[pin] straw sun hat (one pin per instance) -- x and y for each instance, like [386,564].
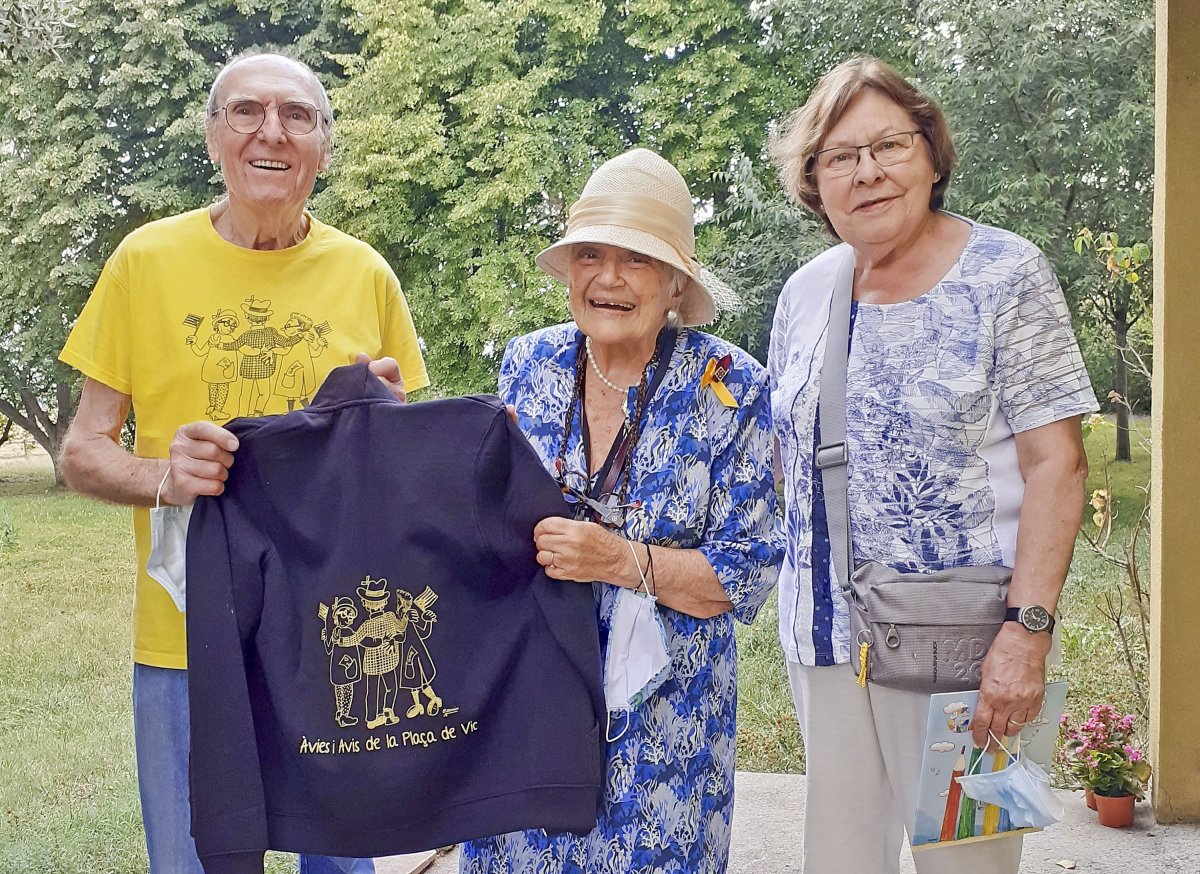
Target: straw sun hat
[638,201]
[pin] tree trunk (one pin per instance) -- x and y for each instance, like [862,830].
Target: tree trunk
[1121,387]
[35,420]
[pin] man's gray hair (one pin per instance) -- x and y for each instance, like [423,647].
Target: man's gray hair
[324,107]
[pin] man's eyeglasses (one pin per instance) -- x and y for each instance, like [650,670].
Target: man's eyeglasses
[247,116]
[889,150]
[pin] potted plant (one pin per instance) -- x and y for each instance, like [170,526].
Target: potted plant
[1102,755]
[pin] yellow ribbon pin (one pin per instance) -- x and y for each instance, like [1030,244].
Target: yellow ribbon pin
[714,374]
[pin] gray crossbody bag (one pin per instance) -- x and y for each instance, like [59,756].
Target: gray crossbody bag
[923,632]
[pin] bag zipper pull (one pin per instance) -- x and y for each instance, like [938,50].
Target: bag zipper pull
[893,637]
[862,663]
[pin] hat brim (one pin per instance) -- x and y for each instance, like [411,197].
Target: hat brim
[696,306]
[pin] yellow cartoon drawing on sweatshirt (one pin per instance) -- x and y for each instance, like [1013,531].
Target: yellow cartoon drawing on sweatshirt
[387,652]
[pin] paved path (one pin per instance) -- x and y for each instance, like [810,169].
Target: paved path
[770,808]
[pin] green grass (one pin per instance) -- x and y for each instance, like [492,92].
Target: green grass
[68,794]
[68,798]
[68,791]
[768,736]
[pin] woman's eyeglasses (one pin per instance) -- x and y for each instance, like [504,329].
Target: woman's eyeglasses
[606,510]
[885,151]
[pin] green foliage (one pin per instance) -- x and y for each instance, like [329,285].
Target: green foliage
[1097,345]
[757,241]
[1118,301]
[817,35]
[32,28]
[1050,104]
[1054,129]
[1121,296]
[469,127]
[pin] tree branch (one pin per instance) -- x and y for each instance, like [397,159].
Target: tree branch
[15,414]
[34,407]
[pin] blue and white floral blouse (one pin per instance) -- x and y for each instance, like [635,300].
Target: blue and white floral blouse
[936,389]
[703,474]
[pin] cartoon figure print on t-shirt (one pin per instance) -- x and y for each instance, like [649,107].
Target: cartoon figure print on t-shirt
[387,652]
[260,363]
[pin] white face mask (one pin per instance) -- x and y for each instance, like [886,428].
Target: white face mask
[1023,789]
[167,563]
[637,661]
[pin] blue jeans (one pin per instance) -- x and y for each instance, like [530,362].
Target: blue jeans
[161,735]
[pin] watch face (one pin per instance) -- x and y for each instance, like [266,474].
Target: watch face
[1035,618]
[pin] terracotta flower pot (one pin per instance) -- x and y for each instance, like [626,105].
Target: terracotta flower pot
[1115,811]
[1089,798]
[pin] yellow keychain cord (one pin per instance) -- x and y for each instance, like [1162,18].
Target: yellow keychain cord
[862,663]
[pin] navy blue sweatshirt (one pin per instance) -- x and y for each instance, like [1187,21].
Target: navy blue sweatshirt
[376,662]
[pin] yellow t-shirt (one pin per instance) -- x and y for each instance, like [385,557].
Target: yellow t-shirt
[191,327]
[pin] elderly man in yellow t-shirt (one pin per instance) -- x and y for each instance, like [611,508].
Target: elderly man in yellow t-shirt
[256,251]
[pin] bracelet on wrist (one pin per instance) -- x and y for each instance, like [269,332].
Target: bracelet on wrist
[650,571]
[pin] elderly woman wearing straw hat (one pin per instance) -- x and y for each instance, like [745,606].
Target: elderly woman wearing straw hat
[660,437]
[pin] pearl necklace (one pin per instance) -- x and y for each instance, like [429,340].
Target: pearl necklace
[587,345]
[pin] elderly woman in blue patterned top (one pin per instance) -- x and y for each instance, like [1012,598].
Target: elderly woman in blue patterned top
[964,392]
[661,435]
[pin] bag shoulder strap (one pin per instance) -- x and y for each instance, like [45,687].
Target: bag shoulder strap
[831,456]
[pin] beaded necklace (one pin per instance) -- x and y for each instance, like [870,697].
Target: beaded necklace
[587,345]
[615,489]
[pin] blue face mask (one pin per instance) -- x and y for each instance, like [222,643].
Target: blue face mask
[637,661]
[167,562]
[1023,789]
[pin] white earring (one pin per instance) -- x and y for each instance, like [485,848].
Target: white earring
[672,319]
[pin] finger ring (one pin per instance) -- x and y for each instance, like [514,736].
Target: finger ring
[1015,722]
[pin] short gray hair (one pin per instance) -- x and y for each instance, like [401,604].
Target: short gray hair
[324,107]
[678,282]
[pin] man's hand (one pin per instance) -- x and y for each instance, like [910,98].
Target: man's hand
[1013,683]
[201,454]
[388,371]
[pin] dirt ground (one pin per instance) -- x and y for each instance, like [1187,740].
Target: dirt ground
[21,457]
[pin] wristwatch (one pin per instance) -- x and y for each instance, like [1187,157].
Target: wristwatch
[1033,618]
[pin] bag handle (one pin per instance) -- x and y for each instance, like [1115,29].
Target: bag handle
[1014,755]
[831,457]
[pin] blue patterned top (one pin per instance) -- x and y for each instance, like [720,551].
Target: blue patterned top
[703,473]
[936,389]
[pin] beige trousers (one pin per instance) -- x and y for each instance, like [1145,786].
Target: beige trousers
[863,759]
